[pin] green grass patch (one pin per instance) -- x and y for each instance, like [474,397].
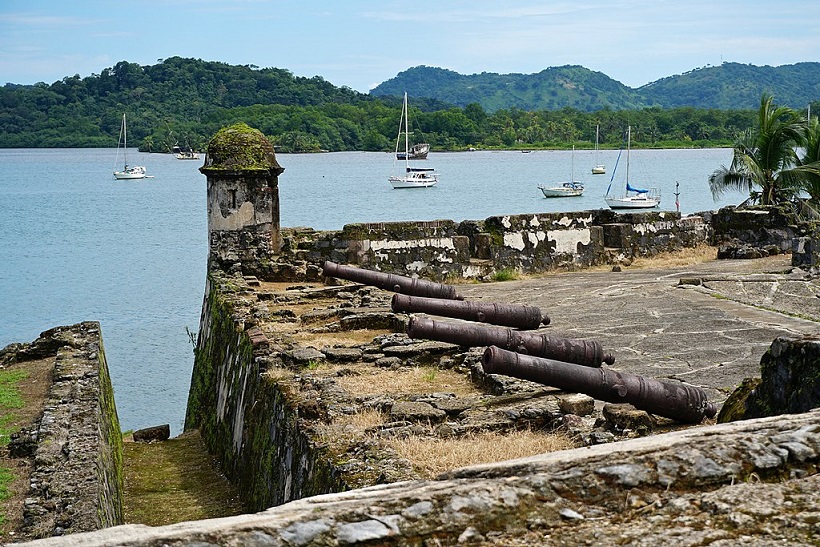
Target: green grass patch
[9,394]
[507,274]
[174,481]
[9,399]
[6,476]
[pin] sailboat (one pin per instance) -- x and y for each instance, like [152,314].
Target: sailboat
[600,168]
[413,177]
[128,171]
[566,189]
[632,198]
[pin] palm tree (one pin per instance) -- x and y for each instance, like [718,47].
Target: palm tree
[766,158]
[811,157]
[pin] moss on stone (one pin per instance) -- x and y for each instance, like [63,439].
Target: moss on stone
[240,147]
[735,406]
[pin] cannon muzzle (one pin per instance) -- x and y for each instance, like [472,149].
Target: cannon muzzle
[518,316]
[391,282]
[674,400]
[582,352]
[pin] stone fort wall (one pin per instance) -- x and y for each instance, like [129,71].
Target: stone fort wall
[445,249]
[75,447]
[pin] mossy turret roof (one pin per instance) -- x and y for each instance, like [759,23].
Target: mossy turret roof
[240,147]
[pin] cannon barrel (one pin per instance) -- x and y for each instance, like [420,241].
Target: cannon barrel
[582,352]
[519,316]
[675,400]
[391,282]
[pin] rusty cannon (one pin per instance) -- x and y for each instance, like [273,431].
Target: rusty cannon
[675,400]
[519,316]
[391,282]
[582,352]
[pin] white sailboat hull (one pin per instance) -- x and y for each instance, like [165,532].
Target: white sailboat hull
[573,188]
[566,190]
[414,180]
[633,202]
[413,177]
[121,175]
[136,172]
[633,198]
[599,168]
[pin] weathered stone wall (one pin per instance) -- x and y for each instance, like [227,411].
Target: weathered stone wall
[747,483]
[76,481]
[527,243]
[758,227]
[248,423]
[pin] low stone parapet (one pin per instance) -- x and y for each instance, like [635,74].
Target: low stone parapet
[526,243]
[650,491]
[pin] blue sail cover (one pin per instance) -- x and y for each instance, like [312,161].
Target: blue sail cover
[636,190]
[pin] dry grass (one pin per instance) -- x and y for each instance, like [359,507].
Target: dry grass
[361,420]
[431,457]
[349,338]
[367,379]
[685,257]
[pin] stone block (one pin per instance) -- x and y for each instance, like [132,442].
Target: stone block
[416,412]
[154,433]
[576,403]
[621,417]
[789,382]
[618,235]
[805,252]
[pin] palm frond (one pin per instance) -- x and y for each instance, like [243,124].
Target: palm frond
[724,180]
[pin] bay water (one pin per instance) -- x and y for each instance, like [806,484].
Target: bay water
[77,245]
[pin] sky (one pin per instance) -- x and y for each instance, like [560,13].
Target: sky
[361,43]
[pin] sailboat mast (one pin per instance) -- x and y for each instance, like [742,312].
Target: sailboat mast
[406,132]
[596,144]
[124,141]
[628,146]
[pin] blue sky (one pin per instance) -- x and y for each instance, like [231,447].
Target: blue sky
[360,43]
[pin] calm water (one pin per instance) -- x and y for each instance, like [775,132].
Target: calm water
[77,245]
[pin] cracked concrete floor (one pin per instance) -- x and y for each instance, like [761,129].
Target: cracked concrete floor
[710,331]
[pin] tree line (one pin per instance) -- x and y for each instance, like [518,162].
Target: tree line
[183,102]
[777,161]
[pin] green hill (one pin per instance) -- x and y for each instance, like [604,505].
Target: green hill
[734,85]
[551,89]
[177,101]
[728,86]
[183,102]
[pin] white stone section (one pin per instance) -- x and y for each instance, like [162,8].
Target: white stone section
[392,245]
[514,240]
[566,241]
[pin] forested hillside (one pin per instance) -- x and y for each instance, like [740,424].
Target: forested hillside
[183,102]
[551,89]
[728,86]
